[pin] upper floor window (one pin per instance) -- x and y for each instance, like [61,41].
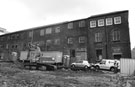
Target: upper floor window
[1,46]
[82,39]
[109,21]
[7,46]
[57,29]
[101,22]
[48,42]
[70,26]
[98,37]
[31,34]
[92,24]
[42,32]
[82,23]
[57,41]
[1,38]
[13,36]
[70,40]
[115,35]
[48,30]
[17,36]
[8,37]
[117,20]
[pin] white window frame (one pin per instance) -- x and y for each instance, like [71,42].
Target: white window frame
[117,20]
[101,22]
[48,30]
[92,24]
[109,21]
[42,32]
[70,25]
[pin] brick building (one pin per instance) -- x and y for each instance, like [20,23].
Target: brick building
[108,36]
[105,35]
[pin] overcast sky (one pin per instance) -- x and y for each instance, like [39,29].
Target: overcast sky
[23,14]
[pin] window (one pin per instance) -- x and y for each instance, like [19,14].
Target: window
[115,35]
[7,46]
[92,24]
[109,21]
[101,22]
[98,37]
[82,23]
[1,46]
[70,40]
[42,32]
[82,39]
[48,30]
[70,25]
[117,20]
[8,37]
[57,29]
[57,41]
[31,34]
[16,46]
[48,42]
[12,46]
[2,39]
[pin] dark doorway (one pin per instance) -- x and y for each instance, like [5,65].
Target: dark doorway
[118,56]
[99,53]
[72,53]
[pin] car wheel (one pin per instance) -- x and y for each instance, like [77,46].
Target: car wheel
[86,67]
[97,67]
[112,69]
[43,68]
[73,66]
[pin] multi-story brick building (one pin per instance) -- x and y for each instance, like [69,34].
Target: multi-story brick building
[105,35]
[108,36]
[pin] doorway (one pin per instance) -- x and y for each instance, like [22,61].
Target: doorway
[117,56]
[99,54]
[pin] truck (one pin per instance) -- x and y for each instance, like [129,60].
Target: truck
[48,60]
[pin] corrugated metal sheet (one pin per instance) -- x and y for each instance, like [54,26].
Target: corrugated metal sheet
[127,66]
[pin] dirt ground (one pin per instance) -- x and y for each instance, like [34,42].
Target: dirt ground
[16,76]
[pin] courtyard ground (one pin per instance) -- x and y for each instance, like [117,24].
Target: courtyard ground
[12,75]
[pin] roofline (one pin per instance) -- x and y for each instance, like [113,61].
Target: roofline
[109,13]
[54,24]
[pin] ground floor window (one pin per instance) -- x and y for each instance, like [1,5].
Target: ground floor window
[117,56]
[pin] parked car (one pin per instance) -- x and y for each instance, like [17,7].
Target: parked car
[107,64]
[82,64]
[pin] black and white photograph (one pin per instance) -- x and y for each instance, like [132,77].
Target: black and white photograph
[67,43]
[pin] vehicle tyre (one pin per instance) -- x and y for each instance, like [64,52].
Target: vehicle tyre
[112,69]
[27,67]
[33,67]
[86,67]
[97,67]
[72,66]
[43,68]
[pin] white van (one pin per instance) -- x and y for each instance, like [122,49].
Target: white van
[107,64]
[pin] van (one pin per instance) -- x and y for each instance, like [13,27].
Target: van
[107,64]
